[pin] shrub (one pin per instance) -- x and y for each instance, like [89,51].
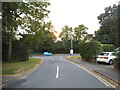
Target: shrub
[90,50]
[4,51]
[76,46]
[108,47]
[117,59]
[20,52]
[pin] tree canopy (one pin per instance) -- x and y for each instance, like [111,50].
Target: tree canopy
[108,32]
[25,20]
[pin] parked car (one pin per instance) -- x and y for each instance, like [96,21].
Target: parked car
[107,57]
[47,54]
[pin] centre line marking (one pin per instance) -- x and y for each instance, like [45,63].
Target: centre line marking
[57,73]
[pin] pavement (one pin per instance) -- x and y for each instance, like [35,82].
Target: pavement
[104,69]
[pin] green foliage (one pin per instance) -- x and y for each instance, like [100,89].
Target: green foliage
[108,47]
[66,33]
[80,32]
[29,17]
[90,50]
[4,51]
[12,68]
[118,43]
[77,34]
[108,32]
[117,61]
[20,51]
[61,47]
[43,41]
[76,46]
[88,37]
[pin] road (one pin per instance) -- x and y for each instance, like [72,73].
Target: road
[57,73]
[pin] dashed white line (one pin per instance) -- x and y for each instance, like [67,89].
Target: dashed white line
[57,73]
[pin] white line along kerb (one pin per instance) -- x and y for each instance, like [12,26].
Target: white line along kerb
[57,73]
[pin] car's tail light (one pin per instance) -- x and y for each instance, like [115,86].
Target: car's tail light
[105,57]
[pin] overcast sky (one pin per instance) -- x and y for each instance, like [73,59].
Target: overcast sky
[76,12]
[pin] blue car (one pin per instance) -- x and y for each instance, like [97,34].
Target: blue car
[47,54]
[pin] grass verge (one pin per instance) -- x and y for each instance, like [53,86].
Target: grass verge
[12,68]
[74,57]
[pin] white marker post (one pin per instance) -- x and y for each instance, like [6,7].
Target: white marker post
[71,51]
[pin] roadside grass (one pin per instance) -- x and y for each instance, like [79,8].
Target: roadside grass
[12,68]
[74,57]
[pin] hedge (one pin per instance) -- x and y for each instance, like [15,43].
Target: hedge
[20,52]
[108,47]
[90,50]
[117,59]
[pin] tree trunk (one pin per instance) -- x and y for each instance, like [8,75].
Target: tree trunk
[10,49]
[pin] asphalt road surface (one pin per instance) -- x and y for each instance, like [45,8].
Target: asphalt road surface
[57,73]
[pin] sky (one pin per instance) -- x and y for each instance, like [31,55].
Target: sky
[77,12]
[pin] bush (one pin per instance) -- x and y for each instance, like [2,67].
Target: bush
[117,59]
[90,50]
[20,52]
[76,46]
[4,51]
[108,47]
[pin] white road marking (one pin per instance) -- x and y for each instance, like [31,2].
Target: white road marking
[57,73]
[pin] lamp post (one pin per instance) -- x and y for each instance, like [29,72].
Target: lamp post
[71,49]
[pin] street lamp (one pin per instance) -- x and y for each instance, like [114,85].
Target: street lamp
[71,49]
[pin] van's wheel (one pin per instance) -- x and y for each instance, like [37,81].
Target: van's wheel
[111,62]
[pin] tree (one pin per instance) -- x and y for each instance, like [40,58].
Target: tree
[80,32]
[66,36]
[108,32]
[29,17]
[45,42]
[66,33]
[89,37]
[8,27]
